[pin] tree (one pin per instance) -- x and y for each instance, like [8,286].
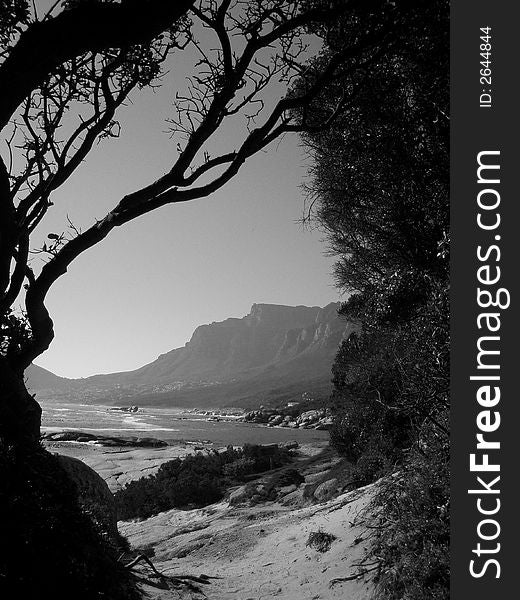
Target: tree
[380,188]
[68,74]
[63,76]
[382,196]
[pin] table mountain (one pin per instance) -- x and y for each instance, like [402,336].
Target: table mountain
[274,347]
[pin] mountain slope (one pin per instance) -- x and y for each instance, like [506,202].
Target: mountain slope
[39,378]
[274,346]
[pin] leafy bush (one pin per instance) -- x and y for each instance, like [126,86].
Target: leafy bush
[239,468]
[380,190]
[320,540]
[414,542]
[197,480]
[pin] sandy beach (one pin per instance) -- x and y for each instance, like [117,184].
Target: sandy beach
[254,549]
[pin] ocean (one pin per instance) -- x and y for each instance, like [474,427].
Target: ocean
[172,425]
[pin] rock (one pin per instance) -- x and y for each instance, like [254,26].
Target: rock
[276,420]
[148,442]
[112,441]
[262,490]
[69,436]
[83,439]
[94,496]
[310,416]
[283,491]
[294,498]
[323,426]
[292,445]
[258,416]
[315,477]
[327,490]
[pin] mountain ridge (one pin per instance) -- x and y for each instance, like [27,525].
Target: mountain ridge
[273,343]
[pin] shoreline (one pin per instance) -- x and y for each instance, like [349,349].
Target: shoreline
[118,465]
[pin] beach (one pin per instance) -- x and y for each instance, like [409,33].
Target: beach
[184,432]
[249,545]
[173,425]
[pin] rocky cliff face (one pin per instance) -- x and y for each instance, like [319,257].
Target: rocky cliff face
[268,336]
[285,342]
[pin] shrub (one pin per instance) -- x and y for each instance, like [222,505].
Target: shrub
[239,468]
[320,540]
[414,543]
[197,480]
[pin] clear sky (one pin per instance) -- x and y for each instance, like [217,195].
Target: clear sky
[145,288]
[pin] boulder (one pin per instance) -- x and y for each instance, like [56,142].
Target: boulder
[327,490]
[310,416]
[94,495]
[292,445]
[287,489]
[69,436]
[240,495]
[148,442]
[295,498]
[324,424]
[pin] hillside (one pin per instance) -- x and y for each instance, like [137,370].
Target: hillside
[274,353]
[39,379]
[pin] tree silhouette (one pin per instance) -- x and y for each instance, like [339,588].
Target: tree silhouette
[380,189]
[65,74]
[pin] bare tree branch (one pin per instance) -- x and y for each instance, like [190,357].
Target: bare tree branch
[88,26]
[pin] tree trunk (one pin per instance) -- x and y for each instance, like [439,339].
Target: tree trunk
[20,414]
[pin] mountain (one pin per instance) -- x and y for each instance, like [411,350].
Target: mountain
[39,378]
[270,351]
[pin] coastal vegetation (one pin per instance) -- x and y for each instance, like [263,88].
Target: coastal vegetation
[64,74]
[196,480]
[380,189]
[373,111]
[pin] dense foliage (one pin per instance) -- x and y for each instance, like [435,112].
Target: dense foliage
[380,189]
[195,481]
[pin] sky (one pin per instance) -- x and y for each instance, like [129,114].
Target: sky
[144,289]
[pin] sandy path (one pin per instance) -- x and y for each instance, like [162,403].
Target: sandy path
[260,552]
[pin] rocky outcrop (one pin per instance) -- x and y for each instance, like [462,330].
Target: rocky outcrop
[94,495]
[320,419]
[269,336]
[327,490]
[102,440]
